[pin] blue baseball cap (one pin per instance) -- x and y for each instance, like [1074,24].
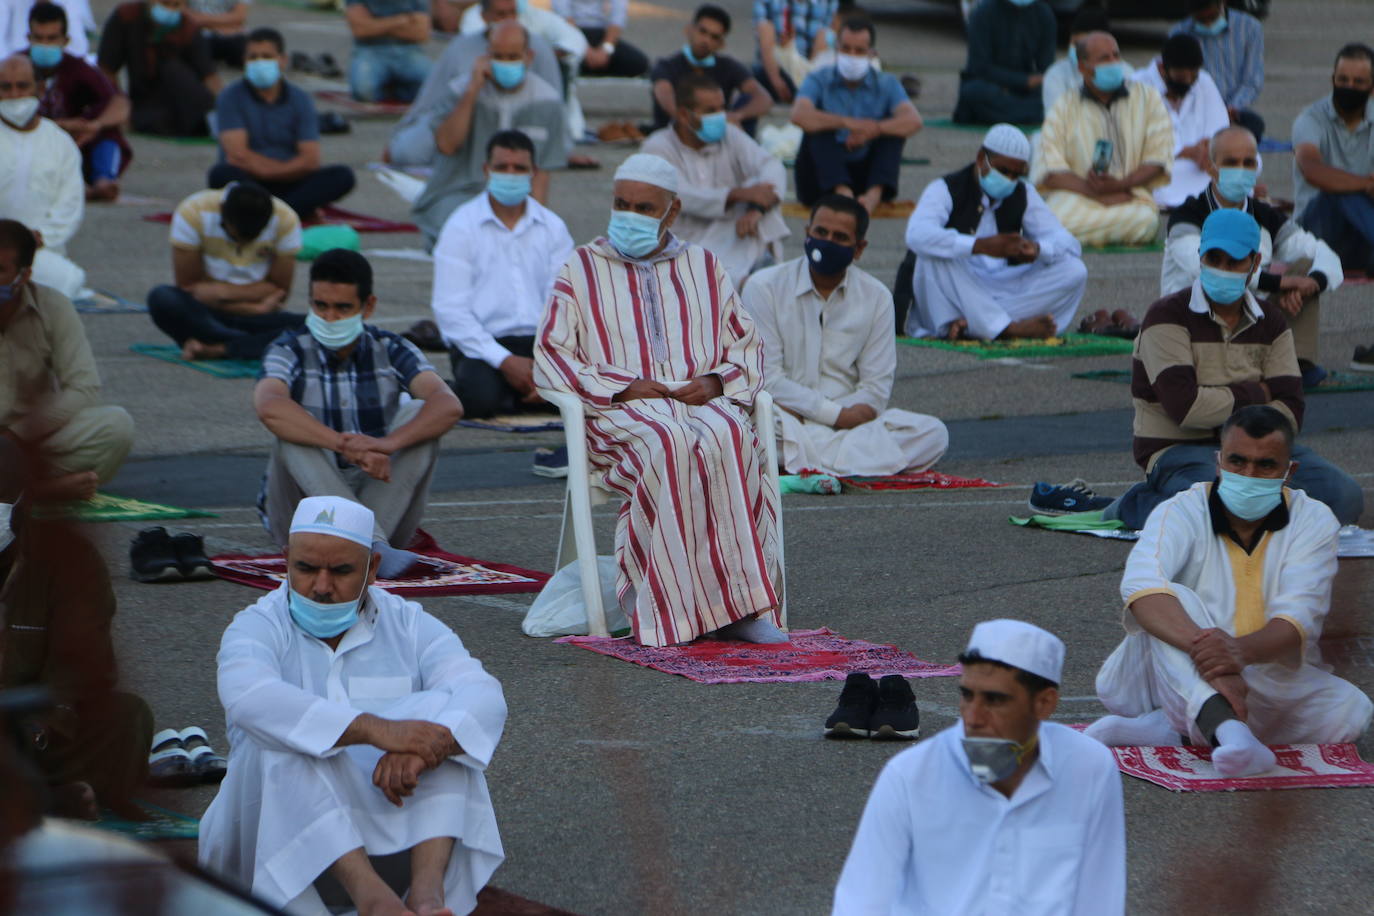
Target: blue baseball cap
[1233,231]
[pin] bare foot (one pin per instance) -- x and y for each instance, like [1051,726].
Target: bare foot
[103,190]
[78,486]
[75,800]
[871,198]
[428,907]
[384,905]
[957,330]
[1036,328]
[195,349]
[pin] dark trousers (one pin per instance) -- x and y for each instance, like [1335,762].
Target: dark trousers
[1346,223]
[823,164]
[182,317]
[483,390]
[627,60]
[904,292]
[227,49]
[305,195]
[1251,122]
[984,102]
[761,75]
[177,106]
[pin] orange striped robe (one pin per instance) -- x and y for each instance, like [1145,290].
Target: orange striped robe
[696,539]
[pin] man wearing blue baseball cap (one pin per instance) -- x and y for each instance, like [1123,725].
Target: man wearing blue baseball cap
[1202,354]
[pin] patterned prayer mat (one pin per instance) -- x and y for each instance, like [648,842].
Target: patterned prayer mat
[443,573]
[162,825]
[1066,346]
[812,655]
[950,124]
[1336,381]
[517,423]
[492,901]
[1301,766]
[925,480]
[103,302]
[219,368]
[335,98]
[1123,249]
[107,508]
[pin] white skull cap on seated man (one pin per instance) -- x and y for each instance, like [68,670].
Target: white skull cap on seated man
[1006,140]
[649,169]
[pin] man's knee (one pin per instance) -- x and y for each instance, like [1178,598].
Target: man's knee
[166,300]
[412,145]
[341,178]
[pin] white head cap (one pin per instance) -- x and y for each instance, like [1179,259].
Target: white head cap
[1019,644]
[1006,140]
[336,516]
[649,169]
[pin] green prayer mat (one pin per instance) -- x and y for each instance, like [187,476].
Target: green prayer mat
[906,160]
[1123,249]
[107,508]
[179,141]
[1068,345]
[1335,382]
[219,368]
[162,825]
[949,124]
[1079,523]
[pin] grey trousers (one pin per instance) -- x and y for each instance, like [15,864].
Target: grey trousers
[297,471]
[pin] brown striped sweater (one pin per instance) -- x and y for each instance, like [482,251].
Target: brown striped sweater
[1190,372]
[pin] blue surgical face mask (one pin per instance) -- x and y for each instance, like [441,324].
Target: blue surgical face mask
[9,290]
[508,73]
[165,17]
[1109,77]
[263,73]
[828,258]
[1223,286]
[1250,498]
[325,621]
[508,188]
[996,185]
[830,37]
[633,234]
[1236,184]
[1073,57]
[705,63]
[712,128]
[334,334]
[45,57]
[1216,28]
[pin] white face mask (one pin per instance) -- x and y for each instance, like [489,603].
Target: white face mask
[19,112]
[852,67]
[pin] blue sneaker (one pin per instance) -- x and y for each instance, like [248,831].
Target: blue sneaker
[1075,496]
[551,462]
[1312,376]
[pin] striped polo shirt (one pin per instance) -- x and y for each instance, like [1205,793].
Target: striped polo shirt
[1190,371]
[196,226]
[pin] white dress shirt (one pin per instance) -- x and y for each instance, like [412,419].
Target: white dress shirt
[490,281]
[1061,77]
[933,840]
[1197,116]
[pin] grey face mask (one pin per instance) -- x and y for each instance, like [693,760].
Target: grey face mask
[994,759]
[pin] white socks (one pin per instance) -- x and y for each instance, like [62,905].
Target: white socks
[1149,730]
[394,561]
[1239,752]
[752,629]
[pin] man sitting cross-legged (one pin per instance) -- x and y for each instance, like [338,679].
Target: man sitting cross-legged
[331,395]
[494,267]
[992,260]
[359,726]
[647,331]
[731,185]
[233,260]
[1226,593]
[830,357]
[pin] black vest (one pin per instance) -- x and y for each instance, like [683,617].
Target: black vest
[967,211]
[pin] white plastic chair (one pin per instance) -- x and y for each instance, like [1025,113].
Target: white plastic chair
[586,489]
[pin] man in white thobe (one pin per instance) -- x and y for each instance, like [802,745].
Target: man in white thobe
[829,356]
[1003,812]
[40,178]
[1196,111]
[359,726]
[1225,595]
[991,259]
[731,186]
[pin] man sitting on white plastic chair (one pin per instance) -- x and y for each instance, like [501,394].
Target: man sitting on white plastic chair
[647,330]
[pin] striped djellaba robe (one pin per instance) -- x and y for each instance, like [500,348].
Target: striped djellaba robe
[696,540]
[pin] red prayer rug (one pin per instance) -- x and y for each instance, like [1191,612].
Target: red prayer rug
[812,655]
[335,98]
[359,221]
[925,480]
[1301,766]
[438,573]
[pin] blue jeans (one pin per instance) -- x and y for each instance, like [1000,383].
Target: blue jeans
[102,161]
[1184,465]
[1346,223]
[387,72]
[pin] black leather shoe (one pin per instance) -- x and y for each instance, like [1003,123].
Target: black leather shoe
[191,558]
[153,558]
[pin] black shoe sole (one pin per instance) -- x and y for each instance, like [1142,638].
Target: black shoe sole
[888,733]
[198,571]
[166,574]
[842,731]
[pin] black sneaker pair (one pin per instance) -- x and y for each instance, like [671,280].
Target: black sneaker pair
[885,710]
[156,556]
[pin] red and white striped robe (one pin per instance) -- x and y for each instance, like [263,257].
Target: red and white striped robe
[697,536]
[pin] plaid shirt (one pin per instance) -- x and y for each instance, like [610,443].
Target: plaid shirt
[358,395]
[807,18]
[1235,58]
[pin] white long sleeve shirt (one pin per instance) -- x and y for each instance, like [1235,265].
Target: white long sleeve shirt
[1197,116]
[565,37]
[823,355]
[40,181]
[490,281]
[593,14]
[927,235]
[934,840]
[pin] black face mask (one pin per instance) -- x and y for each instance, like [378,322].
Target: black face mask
[1177,89]
[1349,99]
